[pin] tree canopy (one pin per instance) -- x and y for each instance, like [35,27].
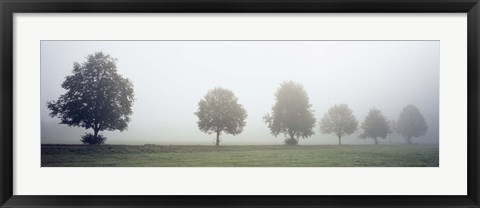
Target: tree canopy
[292,113]
[96,97]
[219,111]
[339,120]
[375,125]
[411,123]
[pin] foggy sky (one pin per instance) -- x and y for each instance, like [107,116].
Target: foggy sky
[170,78]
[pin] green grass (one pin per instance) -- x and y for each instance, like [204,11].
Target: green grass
[240,156]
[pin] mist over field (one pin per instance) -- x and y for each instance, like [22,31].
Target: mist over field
[170,78]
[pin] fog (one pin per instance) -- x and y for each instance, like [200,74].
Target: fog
[170,78]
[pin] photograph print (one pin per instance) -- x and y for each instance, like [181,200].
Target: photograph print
[240,103]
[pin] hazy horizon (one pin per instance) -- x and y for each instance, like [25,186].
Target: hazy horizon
[170,78]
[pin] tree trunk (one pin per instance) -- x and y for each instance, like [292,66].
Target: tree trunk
[218,139]
[339,140]
[292,136]
[376,141]
[95,133]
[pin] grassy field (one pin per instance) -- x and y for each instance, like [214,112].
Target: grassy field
[240,156]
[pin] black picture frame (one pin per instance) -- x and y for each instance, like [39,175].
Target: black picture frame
[9,7]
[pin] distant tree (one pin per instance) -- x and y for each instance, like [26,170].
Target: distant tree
[97,97]
[219,112]
[411,123]
[339,120]
[375,125]
[292,114]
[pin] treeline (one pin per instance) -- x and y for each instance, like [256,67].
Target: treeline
[97,97]
[292,116]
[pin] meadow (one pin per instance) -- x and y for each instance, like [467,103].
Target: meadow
[418,155]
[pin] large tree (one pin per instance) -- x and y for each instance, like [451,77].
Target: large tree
[411,123]
[375,125]
[96,97]
[339,120]
[219,111]
[292,114]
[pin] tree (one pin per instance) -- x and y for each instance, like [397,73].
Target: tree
[375,125]
[411,123]
[219,112]
[96,97]
[340,121]
[292,114]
